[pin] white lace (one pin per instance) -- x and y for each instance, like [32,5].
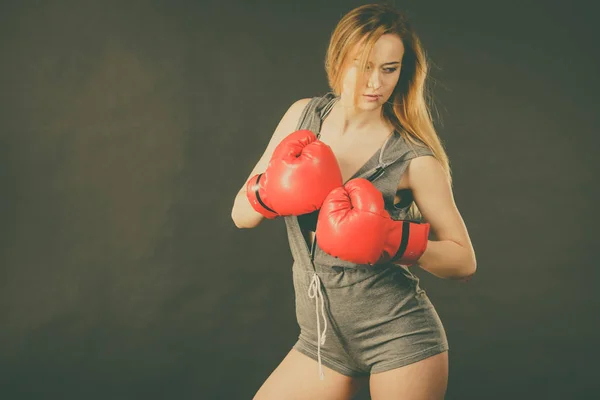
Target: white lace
[314,291]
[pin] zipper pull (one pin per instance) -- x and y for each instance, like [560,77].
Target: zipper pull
[378,172]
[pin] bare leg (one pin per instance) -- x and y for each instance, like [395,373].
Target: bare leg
[297,378]
[423,380]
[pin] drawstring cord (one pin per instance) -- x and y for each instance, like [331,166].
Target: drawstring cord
[314,292]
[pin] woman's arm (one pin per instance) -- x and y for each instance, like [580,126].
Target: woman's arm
[451,255]
[242,213]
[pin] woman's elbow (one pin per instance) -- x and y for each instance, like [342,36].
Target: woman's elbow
[468,272]
[243,222]
[242,213]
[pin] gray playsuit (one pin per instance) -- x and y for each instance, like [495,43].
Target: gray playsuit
[361,319]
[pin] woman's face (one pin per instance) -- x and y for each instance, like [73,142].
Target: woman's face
[381,75]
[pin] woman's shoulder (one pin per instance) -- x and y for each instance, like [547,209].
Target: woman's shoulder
[295,110]
[319,101]
[316,104]
[299,105]
[412,146]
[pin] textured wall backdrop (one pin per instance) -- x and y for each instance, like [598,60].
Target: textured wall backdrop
[127,127]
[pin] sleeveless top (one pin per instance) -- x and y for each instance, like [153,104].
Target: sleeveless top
[384,169]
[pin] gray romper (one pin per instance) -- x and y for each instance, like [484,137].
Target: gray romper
[361,319]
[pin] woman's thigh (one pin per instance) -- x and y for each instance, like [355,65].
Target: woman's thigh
[297,378]
[424,380]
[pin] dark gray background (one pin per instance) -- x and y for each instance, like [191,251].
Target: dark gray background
[126,129]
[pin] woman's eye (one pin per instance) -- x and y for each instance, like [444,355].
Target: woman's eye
[390,70]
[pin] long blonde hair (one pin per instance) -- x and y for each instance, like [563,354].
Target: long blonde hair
[409,106]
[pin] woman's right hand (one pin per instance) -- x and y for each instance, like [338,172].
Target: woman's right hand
[300,174]
[242,213]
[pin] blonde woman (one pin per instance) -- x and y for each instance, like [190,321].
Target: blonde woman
[362,180]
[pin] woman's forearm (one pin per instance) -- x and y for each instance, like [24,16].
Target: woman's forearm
[448,260]
[242,213]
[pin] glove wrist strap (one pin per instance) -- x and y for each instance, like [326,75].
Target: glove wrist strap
[257,202]
[413,242]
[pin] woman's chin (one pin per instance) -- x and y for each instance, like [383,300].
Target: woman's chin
[369,105]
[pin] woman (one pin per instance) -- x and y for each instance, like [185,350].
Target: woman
[363,321]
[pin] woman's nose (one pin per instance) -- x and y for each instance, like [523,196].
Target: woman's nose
[374,81]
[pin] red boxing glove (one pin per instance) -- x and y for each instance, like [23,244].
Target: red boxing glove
[300,174]
[354,226]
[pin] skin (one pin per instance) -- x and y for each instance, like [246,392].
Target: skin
[355,132]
